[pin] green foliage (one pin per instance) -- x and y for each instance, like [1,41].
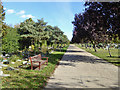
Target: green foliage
[105,55]
[32,47]
[2,13]
[13,58]
[4,29]
[2,17]
[36,49]
[116,39]
[1,59]
[38,32]
[32,33]
[54,46]
[97,24]
[27,32]
[44,47]
[26,78]
[10,41]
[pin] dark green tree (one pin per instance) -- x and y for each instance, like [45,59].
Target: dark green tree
[27,31]
[2,17]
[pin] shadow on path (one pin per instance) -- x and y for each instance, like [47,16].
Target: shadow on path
[81,58]
[80,74]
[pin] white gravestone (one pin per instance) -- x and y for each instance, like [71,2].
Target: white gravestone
[1,72]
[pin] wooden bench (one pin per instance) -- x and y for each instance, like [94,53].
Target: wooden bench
[37,61]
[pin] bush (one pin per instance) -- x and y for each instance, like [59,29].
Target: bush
[10,42]
[1,59]
[13,58]
[54,47]
[32,47]
[44,50]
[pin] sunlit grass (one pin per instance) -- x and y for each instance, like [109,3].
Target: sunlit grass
[27,78]
[104,54]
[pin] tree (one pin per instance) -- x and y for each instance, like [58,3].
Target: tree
[39,34]
[96,24]
[110,13]
[50,31]
[27,31]
[2,17]
[42,34]
[4,29]
[2,13]
[10,41]
[88,28]
[55,35]
[65,40]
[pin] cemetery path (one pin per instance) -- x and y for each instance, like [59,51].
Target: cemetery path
[80,69]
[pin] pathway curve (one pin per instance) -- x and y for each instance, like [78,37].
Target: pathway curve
[80,69]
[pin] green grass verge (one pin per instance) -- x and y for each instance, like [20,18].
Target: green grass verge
[104,54]
[27,78]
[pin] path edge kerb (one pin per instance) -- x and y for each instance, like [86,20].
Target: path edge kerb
[55,69]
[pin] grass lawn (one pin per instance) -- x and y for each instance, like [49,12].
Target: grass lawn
[27,78]
[104,54]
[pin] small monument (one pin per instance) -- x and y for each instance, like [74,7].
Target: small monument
[1,72]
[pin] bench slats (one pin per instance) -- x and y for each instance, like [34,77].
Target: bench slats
[37,61]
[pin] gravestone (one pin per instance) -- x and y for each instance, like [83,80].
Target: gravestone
[24,62]
[5,61]
[1,72]
[11,68]
[18,60]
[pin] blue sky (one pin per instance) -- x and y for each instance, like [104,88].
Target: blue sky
[59,14]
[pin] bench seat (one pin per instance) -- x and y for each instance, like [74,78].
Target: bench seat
[37,61]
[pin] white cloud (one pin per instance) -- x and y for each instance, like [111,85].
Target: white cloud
[21,12]
[4,8]
[27,16]
[23,16]
[10,11]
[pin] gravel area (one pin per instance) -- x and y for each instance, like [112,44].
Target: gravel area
[80,69]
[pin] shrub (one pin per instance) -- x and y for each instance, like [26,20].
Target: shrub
[10,42]
[1,59]
[13,58]
[32,47]
[44,49]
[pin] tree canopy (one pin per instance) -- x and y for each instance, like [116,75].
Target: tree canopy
[99,23]
[2,17]
[38,32]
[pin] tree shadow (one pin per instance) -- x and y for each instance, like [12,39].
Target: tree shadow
[82,58]
[73,51]
[60,50]
[57,86]
[113,56]
[54,58]
[68,59]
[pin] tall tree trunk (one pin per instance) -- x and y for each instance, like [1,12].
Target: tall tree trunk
[90,47]
[82,45]
[94,46]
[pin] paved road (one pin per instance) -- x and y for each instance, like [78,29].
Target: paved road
[80,69]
